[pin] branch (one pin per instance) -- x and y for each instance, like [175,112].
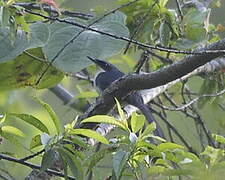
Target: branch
[129,83]
[159,48]
[51,9]
[192,101]
[33,166]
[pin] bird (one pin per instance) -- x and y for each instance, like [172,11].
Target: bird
[108,75]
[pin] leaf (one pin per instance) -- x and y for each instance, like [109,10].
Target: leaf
[11,138]
[77,140]
[39,34]
[195,32]
[48,160]
[45,139]
[92,160]
[162,3]
[4,16]
[149,129]
[35,141]
[137,122]
[88,43]
[91,134]
[32,121]
[52,114]
[25,70]
[105,119]
[164,33]
[133,137]
[87,94]
[119,108]
[156,170]
[218,138]
[120,159]
[2,118]
[12,130]
[169,146]
[208,87]
[73,162]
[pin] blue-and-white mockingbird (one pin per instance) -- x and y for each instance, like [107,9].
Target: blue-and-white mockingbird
[109,74]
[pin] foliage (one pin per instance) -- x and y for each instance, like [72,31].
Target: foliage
[134,153]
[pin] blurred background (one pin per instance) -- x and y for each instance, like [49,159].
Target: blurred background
[21,101]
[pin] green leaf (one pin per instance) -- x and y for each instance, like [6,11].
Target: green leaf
[2,118]
[25,70]
[10,137]
[195,16]
[169,146]
[91,134]
[35,141]
[105,119]
[149,129]
[73,162]
[20,21]
[195,32]
[209,86]
[218,138]
[52,114]
[92,160]
[162,3]
[87,94]
[48,159]
[32,121]
[120,110]
[164,33]
[89,43]
[156,170]
[4,16]
[77,140]
[39,35]
[120,159]
[137,122]
[12,130]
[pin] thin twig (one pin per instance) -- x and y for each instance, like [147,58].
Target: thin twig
[144,58]
[159,48]
[179,9]
[192,101]
[175,132]
[51,9]
[33,155]
[162,59]
[33,166]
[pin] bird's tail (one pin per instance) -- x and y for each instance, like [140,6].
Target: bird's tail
[149,117]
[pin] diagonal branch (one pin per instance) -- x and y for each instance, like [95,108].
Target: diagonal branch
[129,83]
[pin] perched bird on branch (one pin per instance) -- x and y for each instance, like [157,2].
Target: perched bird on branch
[109,74]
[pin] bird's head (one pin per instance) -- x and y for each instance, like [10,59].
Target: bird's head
[102,64]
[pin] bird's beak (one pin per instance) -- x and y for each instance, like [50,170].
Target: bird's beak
[100,63]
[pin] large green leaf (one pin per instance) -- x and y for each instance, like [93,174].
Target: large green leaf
[25,71]
[119,161]
[48,159]
[93,159]
[9,49]
[13,130]
[137,122]
[72,162]
[32,121]
[89,43]
[52,114]
[36,141]
[91,134]
[106,119]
